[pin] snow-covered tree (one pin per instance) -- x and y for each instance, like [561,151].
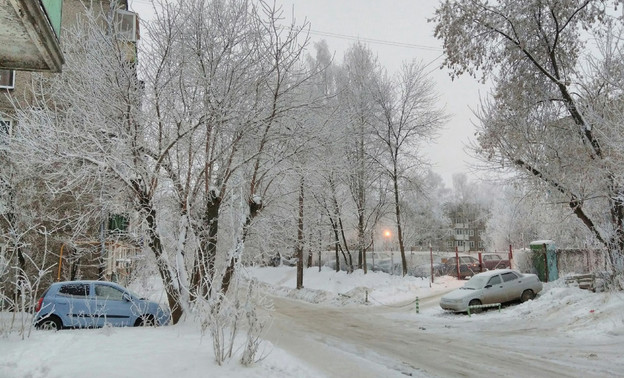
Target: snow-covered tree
[408,117]
[359,75]
[554,117]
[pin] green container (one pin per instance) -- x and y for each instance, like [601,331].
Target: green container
[117,223]
[544,259]
[54,10]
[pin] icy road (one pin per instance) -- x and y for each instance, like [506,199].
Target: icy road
[535,339]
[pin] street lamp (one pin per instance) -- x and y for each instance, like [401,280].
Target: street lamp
[388,235]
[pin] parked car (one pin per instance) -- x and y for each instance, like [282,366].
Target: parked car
[493,286]
[87,304]
[468,266]
[494,261]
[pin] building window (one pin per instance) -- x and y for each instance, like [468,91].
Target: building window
[471,232]
[480,244]
[127,25]
[6,128]
[7,79]
[449,244]
[471,244]
[459,243]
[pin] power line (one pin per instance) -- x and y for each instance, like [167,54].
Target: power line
[375,41]
[350,37]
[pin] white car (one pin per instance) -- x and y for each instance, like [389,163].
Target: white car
[494,286]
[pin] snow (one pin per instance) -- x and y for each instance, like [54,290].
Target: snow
[571,315]
[340,287]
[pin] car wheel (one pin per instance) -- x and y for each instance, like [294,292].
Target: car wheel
[526,295]
[475,302]
[50,323]
[145,321]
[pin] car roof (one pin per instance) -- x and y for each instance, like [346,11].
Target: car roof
[494,272]
[83,282]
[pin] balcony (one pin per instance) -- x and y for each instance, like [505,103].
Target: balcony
[29,35]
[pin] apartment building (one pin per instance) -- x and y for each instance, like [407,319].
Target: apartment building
[109,240]
[467,227]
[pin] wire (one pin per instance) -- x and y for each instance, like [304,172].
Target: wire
[348,37]
[375,41]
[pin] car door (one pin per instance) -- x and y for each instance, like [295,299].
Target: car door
[469,266]
[73,304]
[494,291]
[512,284]
[115,308]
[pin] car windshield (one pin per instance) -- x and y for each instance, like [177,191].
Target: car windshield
[476,282]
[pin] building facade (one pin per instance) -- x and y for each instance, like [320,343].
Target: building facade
[108,252]
[467,227]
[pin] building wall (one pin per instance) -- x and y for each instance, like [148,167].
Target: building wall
[467,227]
[21,94]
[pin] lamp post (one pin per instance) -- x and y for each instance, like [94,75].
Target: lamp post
[431,257]
[388,235]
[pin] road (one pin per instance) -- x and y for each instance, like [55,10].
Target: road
[378,341]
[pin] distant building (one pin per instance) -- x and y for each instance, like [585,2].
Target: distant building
[467,227]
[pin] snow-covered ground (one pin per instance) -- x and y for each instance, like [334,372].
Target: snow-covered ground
[572,314]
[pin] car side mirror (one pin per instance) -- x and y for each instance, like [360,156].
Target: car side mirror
[488,286]
[127,297]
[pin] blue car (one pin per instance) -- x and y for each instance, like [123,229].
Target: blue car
[90,304]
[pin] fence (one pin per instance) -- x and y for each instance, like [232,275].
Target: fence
[569,261]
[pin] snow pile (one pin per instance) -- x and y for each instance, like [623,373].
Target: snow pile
[175,351]
[575,311]
[329,286]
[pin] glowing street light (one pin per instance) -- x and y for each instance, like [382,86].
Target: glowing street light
[388,235]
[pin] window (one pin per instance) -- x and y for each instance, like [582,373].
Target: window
[494,280]
[509,276]
[471,232]
[6,126]
[471,244]
[449,244]
[480,244]
[459,243]
[75,290]
[7,79]
[127,25]
[106,292]
[117,223]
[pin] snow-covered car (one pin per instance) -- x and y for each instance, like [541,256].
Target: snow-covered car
[89,304]
[494,286]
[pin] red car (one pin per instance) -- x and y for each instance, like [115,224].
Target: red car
[468,266]
[493,261]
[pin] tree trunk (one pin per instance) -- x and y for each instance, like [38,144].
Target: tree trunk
[254,210]
[299,249]
[204,267]
[397,211]
[155,244]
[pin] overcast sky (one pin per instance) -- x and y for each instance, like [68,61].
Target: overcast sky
[397,31]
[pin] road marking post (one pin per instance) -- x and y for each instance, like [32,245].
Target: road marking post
[417,306]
